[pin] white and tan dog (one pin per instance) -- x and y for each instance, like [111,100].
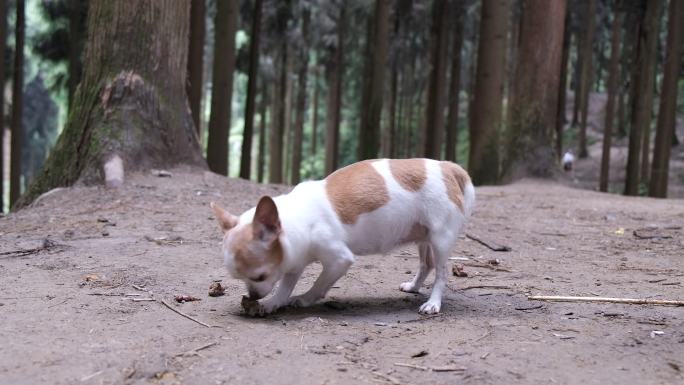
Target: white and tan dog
[366,208]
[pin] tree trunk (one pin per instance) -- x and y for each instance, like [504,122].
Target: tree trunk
[301,100]
[222,86]
[77,16]
[130,108]
[529,145]
[577,81]
[454,83]
[334,69]
[668,102]
[193,87]
[434,111]
[247,134]
[371,99]
[512,59]
[642,104]
[562,89]
[261,160]
[633,19]
[3,43]
[17,105]
[314,113]
[585,83]
[483,164]
[613,76]
[287,126]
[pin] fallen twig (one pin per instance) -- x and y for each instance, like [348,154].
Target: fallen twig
[638,234]
[183,314]
[635,301]
[529,307]
[486,266]
[46,245]
[196,350]
[143,299]
[493,247]
[485,287]
[427,317]
[423,368]
[387,378]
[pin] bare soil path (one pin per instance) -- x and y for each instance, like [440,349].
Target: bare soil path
[69,315]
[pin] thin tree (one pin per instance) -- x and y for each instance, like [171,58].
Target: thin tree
[261,159]
[130,110]
[454,82]
[613,76]
[668,102]
[483,163]
[314,111]
[586,72]
[334,69]
[225,25]
[529,143]
[3,41]
[373,90]
[193,86]
[247,134]
[276,164]
[642,97]
[301,99]
[17,104]
[562,89]
[434,110]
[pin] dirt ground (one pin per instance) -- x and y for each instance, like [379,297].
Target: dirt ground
[68,313]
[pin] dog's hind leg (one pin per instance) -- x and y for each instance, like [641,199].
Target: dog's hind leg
[426,265]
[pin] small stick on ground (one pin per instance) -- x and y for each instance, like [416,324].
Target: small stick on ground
[196,350]
[423,368]
[486,266]
[183,314]
[485,287]
[387,378]
[635,301]
[493,247]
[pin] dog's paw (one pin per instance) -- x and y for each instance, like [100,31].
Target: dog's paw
[301,301]
[408,287]
[430,307]
[258,308]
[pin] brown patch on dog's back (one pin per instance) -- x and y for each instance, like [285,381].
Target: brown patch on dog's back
[356,189]
[455,179]
[409,173]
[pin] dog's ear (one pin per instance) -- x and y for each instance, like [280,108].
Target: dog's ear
[266,222]
[225,219]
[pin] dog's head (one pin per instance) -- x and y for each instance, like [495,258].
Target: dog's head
[252,250]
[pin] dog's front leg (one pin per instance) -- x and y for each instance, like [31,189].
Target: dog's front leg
[282,294]
[334,267]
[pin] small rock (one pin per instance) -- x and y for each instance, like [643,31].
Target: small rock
[458,271]
[102,220]
[380,324]
[185,298]
[105,233]
[216,290]
[421,353]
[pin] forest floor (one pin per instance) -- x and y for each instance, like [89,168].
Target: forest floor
[69,315]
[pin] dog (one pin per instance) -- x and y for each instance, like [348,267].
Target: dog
[365,208]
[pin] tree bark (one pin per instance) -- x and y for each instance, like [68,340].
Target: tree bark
[334,68]
[247,134]
[193,87]
[562,89]
[222,86]
[275,166]
[613,76]
[529,142]
[3,43]
[17,105]
[642,104]
[586,82]
[454,83]
[668,102]
[314,112]
[301,100]
[77,16]
[434,111]
[261,160]
[131,102]
[577,81]
[483,164]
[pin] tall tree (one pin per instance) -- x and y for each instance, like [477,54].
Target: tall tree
[334,69]
[261,159]
[3,43]
[247,134]
[130,109]
[225,25]
[529,145]
[642,99]
[454,81]
[668,101]
[373,90]
[314,111]
[301,99]
[562,89]
[78,9]
[193,86]
[17,104]
[276,164]
[434,110]
[613,76]
[483,163]
[586,72]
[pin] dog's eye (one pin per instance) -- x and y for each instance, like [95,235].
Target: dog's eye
[260,278]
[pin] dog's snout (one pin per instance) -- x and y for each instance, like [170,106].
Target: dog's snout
[254,293]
